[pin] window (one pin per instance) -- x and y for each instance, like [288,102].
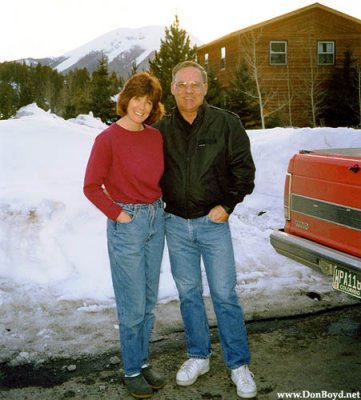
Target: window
[206,61]
[223,58]
[278,52]
[326,53]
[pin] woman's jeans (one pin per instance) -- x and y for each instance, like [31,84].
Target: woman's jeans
[135,252]
[188,240]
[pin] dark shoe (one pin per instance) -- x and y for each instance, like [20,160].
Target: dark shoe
[155,380]
[138,387]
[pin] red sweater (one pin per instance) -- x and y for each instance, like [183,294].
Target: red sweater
[125,167]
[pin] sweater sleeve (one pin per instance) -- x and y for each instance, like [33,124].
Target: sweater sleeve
[95,175]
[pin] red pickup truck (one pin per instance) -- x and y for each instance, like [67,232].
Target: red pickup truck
[322,205]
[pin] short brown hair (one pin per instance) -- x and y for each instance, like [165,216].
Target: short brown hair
[139,85]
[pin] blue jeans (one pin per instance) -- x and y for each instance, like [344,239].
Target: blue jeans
[135,252]
[188,240]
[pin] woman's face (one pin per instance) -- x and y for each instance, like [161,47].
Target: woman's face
[139,109]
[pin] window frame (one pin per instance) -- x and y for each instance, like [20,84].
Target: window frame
[223,58]
[326,53]
[273,54]
[206,60]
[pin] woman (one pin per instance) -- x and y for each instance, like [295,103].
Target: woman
[122,180]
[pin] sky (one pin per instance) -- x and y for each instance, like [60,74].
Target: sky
[50,28]
[54,266]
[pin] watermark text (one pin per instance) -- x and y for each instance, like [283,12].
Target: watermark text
[324,394]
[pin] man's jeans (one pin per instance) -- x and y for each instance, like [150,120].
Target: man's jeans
[188,240]
[135,253]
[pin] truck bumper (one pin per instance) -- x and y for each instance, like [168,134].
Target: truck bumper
[314,255]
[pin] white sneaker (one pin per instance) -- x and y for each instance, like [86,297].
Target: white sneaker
[242,377]
[191,370]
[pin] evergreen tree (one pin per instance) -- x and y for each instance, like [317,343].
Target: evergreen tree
[215,95]
[26,93]
[21,77]
[54,90]
[115,83]
[341,102]
[39,81]
[8,100]
[242,98]
[46,86]
[174,49]
[101,103]
[133,69]
[76,93]
[40,84]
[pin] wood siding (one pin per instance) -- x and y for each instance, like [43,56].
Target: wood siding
[288,87]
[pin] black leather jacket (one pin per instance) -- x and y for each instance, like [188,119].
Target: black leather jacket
[207,163]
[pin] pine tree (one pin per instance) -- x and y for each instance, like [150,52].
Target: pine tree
[342,107]
[54,90]
[133,69]
[39,81]
[215,95]
[242,98]
[26,93]
[174,49]
[115,83]
[76,93]
[8,100]
[101,103]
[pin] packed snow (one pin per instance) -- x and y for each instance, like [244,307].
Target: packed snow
[54,268]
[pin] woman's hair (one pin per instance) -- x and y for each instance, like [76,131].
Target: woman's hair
[139,85]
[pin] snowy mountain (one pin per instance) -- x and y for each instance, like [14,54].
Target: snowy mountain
[122,47]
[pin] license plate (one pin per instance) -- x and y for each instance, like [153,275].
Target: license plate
[347,281]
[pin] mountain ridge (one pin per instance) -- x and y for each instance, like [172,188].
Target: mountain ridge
[122,47]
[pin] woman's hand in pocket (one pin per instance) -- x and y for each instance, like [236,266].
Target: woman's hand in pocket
[123,217]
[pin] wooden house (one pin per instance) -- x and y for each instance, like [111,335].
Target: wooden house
[291,57]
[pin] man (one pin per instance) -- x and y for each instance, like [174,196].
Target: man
[208,170]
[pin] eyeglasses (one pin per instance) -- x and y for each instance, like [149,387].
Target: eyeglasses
[193,85]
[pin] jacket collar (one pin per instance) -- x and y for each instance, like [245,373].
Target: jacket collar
[200,114]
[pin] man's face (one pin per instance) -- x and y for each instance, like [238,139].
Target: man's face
[189,89]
